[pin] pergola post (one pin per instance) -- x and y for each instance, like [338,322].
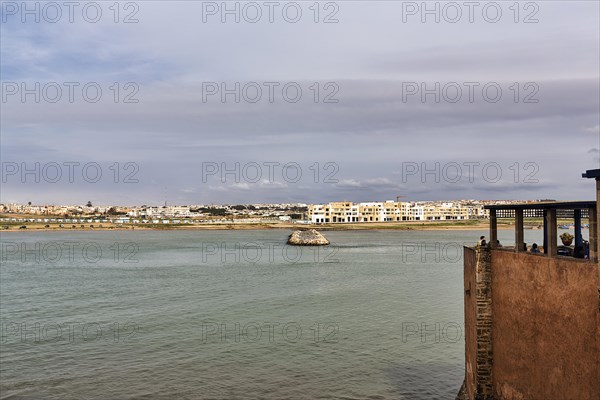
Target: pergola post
[597,212]
[594,213]
[519,234]
[578,237]
[593,234]
[545,234]
[493,229]
[551,234]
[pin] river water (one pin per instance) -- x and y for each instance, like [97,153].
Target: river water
[233,315]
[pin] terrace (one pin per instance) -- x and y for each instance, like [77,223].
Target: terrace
[550,212]
[532,320]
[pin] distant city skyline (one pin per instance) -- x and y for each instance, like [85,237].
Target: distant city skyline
[90,205]
[35,200]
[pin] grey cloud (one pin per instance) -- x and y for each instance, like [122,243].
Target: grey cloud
[368,134]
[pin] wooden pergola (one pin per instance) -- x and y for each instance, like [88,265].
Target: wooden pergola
[550,211]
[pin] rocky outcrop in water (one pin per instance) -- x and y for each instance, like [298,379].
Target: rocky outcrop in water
[308,237]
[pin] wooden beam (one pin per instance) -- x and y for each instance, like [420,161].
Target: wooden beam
[519,233]
[550,225]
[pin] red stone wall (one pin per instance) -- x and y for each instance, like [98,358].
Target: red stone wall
[545,331]
[470,261]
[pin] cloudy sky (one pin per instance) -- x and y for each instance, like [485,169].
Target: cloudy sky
[355,100]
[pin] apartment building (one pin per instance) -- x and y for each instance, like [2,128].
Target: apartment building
[391,211]
[372,212]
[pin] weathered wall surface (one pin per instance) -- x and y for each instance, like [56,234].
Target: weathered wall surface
[478,323]
[545,330]
[470,261]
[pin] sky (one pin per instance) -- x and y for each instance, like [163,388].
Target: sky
[191,102]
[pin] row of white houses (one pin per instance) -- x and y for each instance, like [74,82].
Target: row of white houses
[390,211]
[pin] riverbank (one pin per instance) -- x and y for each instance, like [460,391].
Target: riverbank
[413,225]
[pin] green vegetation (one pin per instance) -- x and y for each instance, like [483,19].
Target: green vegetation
[214,211]
[113,211]
[566,236]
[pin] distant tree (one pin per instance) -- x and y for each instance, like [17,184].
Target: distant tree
[89,204]
[112,211]
[301,209]
[214,211]
[29,203]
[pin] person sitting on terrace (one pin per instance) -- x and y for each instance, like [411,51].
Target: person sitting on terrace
[534,248]
[579,251]
[482,241]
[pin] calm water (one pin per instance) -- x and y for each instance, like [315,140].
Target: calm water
[232,315]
